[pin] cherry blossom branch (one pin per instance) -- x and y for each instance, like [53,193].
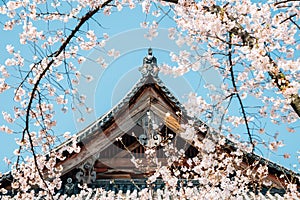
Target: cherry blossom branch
[230,96]
[291,19]
[36,163]
[236,92]
[249,40]
[282,84]
[34,90]
[276,75]
[295,23]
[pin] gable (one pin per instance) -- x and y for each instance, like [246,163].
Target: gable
[146,96]
[101,150]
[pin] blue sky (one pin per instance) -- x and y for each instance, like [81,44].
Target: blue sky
[111,84]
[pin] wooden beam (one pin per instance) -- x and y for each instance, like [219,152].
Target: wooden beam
[125,152]
[124,163]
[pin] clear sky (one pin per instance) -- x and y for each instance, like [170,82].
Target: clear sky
[111,84]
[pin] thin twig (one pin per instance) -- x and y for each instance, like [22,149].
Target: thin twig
[287,1]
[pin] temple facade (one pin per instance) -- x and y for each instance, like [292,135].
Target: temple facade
[149,117]
[115,156]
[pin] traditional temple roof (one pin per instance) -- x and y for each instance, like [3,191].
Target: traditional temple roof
[149,80]
[149,71]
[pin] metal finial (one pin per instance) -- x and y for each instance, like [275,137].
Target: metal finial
[150,52]
[149,65]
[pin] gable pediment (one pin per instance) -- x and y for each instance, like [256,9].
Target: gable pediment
[99,139]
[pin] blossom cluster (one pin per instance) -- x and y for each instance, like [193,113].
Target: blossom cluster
[253,46]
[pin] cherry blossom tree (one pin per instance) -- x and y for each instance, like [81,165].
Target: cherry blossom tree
[245,42]
[255,47]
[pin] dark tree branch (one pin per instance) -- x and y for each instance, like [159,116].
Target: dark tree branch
[282,84]
[295,23]
[296,103]
[236,92]
[291,19]
[171,1]
[34,90]
[286,1]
